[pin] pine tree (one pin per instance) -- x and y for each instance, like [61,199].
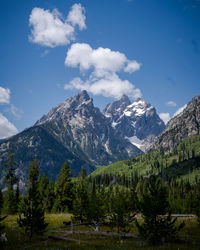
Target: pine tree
[10,204]
[96,212]
[81,198]
[64,194]
[50,196]
[10,165]
[120,210]
[31,212]
[43,189]
[154,205]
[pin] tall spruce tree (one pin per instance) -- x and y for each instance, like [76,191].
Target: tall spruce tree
[43,189]
[64,193]
[10,199]
[50,196]
[31,211]
[81,198]
[154,206]
[96,212]
[120,210]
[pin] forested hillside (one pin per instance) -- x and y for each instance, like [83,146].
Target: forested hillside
[182,163]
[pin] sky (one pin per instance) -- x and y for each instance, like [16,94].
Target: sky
[51,50]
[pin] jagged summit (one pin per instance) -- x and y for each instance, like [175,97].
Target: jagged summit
[70,105]
[182,126]
[117,108]
[83,96]
[138,122]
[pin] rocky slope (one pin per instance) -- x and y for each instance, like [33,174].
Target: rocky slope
[75,131]
[138,121]
[182,126]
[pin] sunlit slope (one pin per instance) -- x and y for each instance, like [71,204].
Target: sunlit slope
[183,162]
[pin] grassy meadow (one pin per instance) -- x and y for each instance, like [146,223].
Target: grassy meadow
[189,236]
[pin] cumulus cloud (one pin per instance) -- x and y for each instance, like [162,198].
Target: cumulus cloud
[51,29]
[165,117]
[109,86]
[180,110]
[171,104]
[77,16]
[4,95]
[104,65]
[101,60]
[7,129]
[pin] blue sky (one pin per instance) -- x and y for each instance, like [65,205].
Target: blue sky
[50,50]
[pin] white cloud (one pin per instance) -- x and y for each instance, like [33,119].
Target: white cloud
[165,117]
[51,29]
[132,66]
[171,104]
[7,129]
[77,16]
[4,95]
[109,86]
[101,60]
[104,64]
[180,110]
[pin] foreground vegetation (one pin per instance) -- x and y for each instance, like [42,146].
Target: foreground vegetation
[115,211]
[17,240]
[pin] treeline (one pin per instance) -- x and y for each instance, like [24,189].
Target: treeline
[93,201]
[183,196]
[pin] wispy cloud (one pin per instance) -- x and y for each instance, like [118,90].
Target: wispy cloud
[16,112]
[4,95]
[171,104]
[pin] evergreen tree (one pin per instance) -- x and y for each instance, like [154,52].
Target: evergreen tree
[31,212]
[96,212]
[10,165]
[1,206]
[81,198]
[10,204]
[64,193]
[50,196]
[120,210]
[43,189]
[154,206]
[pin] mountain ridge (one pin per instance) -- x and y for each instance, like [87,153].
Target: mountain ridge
[180,127]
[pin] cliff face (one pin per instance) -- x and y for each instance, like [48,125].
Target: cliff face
[182,126]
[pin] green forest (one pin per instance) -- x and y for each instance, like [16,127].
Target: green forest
[151,200]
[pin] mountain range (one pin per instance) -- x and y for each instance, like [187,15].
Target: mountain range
[79,133]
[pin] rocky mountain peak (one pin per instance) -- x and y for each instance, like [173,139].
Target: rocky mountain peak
[137,108]
[117,107]
[138,122]
[68,107]
[182,126]
[82,97]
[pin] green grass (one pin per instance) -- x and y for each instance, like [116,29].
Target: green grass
[17,240]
